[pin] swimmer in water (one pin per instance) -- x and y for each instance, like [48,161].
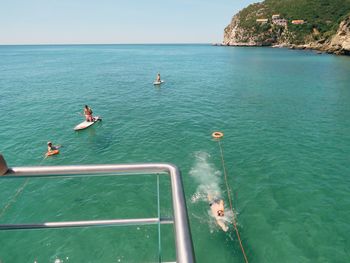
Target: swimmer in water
[51,148]
[217,209]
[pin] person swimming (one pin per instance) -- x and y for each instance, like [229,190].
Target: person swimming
[50,147]
[217,209]
[88,114]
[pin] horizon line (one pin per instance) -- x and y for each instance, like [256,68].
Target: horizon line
[72,44]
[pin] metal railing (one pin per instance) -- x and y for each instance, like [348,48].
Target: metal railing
[183,240]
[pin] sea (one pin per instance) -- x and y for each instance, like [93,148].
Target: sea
[283,162]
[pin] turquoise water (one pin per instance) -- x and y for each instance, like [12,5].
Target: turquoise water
[286,119]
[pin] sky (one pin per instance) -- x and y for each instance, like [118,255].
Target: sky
[115,21]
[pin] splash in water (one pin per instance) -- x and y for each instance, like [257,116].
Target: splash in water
[207,177]
[209,180]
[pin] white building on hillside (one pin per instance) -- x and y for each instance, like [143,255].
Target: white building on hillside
[280,22]
[262,20]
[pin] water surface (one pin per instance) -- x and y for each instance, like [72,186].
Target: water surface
[285,116]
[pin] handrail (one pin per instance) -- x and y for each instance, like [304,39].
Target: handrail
[183,243]
[89,223]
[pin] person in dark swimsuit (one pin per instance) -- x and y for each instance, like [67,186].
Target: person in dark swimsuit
[50,147]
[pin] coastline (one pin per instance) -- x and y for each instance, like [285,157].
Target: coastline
[319,49]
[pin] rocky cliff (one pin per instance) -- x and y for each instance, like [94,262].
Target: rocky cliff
[326,34]
[340,42]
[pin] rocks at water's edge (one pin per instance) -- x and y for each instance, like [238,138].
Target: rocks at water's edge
[340,42]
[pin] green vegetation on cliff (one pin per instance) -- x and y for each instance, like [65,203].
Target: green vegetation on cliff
[322,18]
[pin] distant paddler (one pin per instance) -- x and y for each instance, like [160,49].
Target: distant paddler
[217,209]
[88,114]
[89,119]
[158,80]
[52,149]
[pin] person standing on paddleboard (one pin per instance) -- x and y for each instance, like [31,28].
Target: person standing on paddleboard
[88,113]
[158,78]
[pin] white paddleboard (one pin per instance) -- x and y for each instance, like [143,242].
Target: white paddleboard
[87,124]
[158,82]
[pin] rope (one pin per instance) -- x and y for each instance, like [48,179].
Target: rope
[13,199]
[230,201]
[18,192]
[159,236]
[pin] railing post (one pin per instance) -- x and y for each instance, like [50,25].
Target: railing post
[3,165]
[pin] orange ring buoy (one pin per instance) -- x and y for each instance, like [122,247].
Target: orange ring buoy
[217,135]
